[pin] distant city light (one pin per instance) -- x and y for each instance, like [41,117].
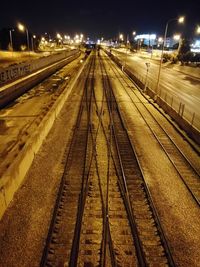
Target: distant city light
[121,37]
[195,47]
[146,36]
[177,37]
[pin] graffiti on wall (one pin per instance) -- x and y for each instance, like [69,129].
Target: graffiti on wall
[14,72]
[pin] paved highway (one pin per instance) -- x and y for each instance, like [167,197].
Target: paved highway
[175,86]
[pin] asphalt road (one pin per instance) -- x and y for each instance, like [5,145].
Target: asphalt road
[175,86]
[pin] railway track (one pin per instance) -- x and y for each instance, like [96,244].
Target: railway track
[152,247]
[187,172]
[103,215]
[63,224]
[27,112]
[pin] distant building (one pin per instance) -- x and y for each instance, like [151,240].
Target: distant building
[147,39]
[152,40]
[170,42]
[195,46]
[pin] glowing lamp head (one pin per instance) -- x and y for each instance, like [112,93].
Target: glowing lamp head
[21,27]
[198,29]
[134,33]
[181,19]
[177,37]
[121,37]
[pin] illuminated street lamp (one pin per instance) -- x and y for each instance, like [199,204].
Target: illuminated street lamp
[177,37]
[58,36]
[11,39]
[198,29]
[121,37]
[22,28]
[33,37]
[180,20]
[145,83]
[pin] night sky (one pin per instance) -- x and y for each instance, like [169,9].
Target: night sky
[100,18]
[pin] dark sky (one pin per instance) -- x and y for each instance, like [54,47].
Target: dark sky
[99,18]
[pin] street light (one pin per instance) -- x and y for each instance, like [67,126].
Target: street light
[58,36]
[198,29]
[180,20]
[145,83]
[177,37]
[127,43]
[11,40]
[121,37]
[33,37]
[22,28]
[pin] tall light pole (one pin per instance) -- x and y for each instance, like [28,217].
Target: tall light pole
[32,41]
[198,29]
[145,83]
[11,40]
[177,37]
[180,20]
[127,43]
[121,37]
[22,28]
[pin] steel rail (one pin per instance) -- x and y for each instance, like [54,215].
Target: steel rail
[49,240]
[186,161]
[163,238]
[82,198]
[135,234]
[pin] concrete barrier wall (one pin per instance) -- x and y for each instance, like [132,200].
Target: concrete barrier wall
[15,174]
[15,89]
[12,73]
